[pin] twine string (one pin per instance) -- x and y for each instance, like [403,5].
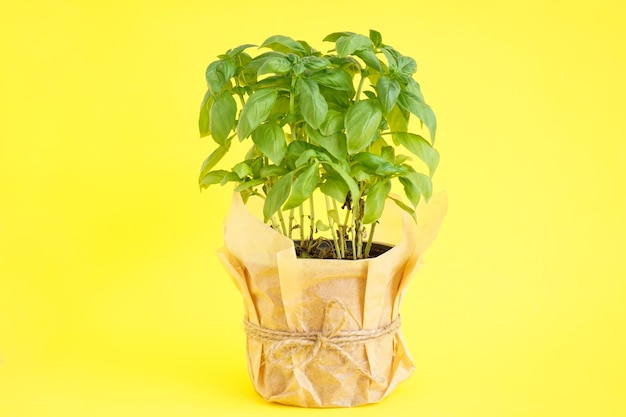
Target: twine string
[331,338]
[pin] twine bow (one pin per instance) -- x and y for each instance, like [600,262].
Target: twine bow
[331,338]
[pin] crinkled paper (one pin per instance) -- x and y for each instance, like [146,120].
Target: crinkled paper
[294,296]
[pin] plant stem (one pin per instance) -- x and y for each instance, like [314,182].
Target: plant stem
[360,88]
[241,97]
[357,243]
[290,223]
[312,217]
[331,223]
[354,238]
[292,107]
[341,229]
[370,239]
[301,212]
[354,233]
[282,222]
[347,219]
[346,223]
[275,223]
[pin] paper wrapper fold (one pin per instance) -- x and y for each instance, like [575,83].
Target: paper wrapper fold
[323,333]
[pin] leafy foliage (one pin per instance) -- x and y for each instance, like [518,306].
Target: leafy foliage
[319,124]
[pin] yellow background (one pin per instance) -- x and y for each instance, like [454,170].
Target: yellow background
[112,302]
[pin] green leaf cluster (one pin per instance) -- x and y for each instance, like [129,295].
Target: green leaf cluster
[333,124]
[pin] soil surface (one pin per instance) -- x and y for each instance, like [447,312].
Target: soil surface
[325,249]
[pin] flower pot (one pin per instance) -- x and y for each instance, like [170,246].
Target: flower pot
[323,332]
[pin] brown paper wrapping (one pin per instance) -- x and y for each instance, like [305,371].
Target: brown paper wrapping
[323,333]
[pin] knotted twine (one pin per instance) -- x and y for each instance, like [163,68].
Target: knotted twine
[331,338]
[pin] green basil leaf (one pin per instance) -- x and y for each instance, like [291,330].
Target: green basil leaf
[321,226]
[305,157]
[391,59]
[218,73]
[401,159]
[411,190]
[333,123]
[362,122]
[232,53]
[375,201]
[296,148]
[345,176]
[336,79]
[403,206]
[347,45]
[388,91]
[415,185]
[284,44]
[249,184]
[398,119]
[414,88]
[390,50]
[375,164]
[298,69]
[242,170]
[308,49]
[348,64]
[255,111]
[277,195]
[333,37]
[315,63]
[411,103]
[312,103]
[361,173]
[376,37]
[222,119]
[272,171]
[253,65]
[377,146]
[275,65]
[334,187]
[270,139]
[303,186]
[256,164]
[204,119]
[280,109]
[214,79]
[213,159]
[406,65]
[420,147]
[335,143]
[368,160]
[370,58]
[212,177]
[334,215]
[336,98]
[247,76]
[274,82]
[388,153]
[230,177]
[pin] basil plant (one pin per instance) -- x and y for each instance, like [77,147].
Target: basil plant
[324,129]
